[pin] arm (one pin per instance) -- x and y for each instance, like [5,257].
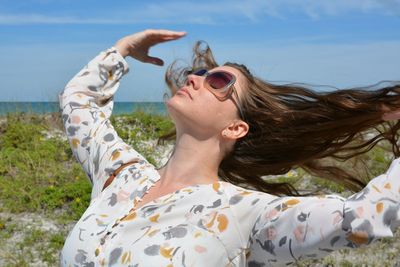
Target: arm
[86,104]
[295,228]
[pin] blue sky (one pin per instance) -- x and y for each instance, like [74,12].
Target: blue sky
[342,43]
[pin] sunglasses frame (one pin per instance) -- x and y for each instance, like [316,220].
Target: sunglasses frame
[229,88]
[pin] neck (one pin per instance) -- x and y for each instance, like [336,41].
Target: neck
[193,162]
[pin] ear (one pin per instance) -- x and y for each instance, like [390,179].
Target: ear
[391,116]
[235,130]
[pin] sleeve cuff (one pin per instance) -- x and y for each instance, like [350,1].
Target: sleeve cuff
[119,58]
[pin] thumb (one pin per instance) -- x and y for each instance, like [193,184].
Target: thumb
[155,61]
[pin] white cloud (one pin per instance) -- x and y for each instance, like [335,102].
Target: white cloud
[215,12]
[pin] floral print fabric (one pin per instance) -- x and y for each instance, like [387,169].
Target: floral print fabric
[218,224]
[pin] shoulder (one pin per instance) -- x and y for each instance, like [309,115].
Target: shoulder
[244,197]
[246,205]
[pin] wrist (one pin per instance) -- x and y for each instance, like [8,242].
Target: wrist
[122,48]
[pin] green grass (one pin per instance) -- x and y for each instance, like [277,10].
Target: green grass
[36,172]
[41,175]
[36,244]
[140,126]
[146,126]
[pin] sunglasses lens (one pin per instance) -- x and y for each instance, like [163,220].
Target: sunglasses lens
[200,72]
[219,80]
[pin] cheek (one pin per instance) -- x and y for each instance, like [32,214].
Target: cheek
[217,112]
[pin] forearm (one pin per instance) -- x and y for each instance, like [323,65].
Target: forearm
[373,212]
[296,228]
[86,116]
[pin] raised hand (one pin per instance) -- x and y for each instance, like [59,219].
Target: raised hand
[137,45]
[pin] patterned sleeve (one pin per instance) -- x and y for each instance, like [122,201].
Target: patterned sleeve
[86,105]
[288,229]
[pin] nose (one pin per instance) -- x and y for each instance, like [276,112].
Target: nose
[194,81]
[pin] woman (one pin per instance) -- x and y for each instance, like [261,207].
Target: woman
[231,129]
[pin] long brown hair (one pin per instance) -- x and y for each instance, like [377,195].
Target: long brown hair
[291,126]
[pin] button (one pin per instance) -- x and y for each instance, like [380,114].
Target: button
[97,252]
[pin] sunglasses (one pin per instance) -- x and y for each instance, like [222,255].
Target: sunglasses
[220,83]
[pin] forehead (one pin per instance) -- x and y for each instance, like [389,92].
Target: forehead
[240,78]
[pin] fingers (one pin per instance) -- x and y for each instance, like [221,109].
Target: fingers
[166,34]
[155,60]
[163,39]
[141,42]
[160,36]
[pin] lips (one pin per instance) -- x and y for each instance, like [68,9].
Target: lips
[186,92]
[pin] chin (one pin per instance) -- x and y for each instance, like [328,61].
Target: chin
[175,108]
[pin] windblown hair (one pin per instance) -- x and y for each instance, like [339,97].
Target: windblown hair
[293,126]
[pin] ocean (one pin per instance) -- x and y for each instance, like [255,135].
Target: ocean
[48,107]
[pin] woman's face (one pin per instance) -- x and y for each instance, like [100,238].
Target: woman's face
[202,113]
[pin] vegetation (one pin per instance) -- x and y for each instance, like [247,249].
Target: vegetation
[39,178]
[37,173]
